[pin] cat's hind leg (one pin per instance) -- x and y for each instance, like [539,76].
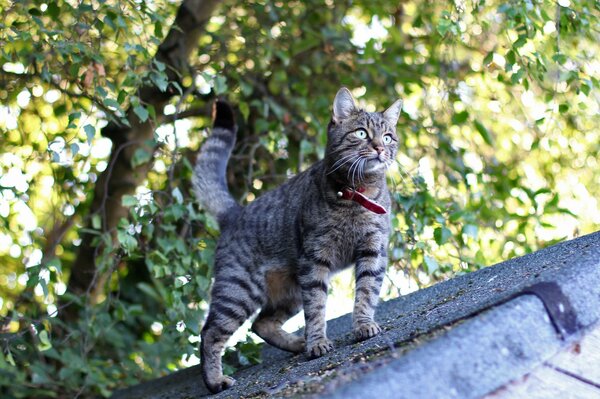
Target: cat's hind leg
[233,301]
[284,301]
[268,326]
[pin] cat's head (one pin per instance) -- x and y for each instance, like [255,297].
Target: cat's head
[360,145]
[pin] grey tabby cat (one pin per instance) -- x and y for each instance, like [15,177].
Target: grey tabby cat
[278,253]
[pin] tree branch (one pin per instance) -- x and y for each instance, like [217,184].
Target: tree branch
[121,178]
[28,77]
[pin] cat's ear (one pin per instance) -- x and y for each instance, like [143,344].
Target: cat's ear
[392,114]
[343,105]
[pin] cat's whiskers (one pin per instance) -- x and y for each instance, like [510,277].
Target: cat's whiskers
[341,162]
[402,170]
[388,163]
[342,159]
[355,163]
[361,169]
[365,155]
[403,173]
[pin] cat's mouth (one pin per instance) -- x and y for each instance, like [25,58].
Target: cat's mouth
[376,162]
[378,157]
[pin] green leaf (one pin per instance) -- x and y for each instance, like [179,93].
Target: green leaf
[485,134]
[54,265]
[585,89]
[567,212]
[160,80]
[510,57]
[459,118]
[305,44]
[150,291]
[480,258]
[44,343]
[563,108]
[160,66]
[560,58]
[202,282]
[44,286]
[96,221]
[128,242]
[151,111]
[109,20]
[158,30]
[140,156]
[141,112]
[90,132]
[10,359]
[220,85]
[442,235]
[53,10]
[488,58]
[517,76]
[444,26]
[121,97]
[176,193]
[470,230]
[520,42]
[456,216]
[177,87]
[72,118]
[544,190]
[101,91]
[245,110]
[174,212]
[129,201]
[431,264]
[111,103]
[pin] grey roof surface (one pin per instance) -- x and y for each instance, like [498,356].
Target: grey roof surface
[462,338]
[574,372]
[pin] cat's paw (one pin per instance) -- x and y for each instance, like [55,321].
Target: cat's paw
[220,384]
[366,330]
[318,348]
[297,345]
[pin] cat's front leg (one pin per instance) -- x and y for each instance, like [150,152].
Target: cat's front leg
[314,280]
[370,270]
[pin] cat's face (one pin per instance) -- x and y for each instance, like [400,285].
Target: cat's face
[360,144]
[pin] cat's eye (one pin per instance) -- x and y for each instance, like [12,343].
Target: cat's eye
[387,139]
[361,134]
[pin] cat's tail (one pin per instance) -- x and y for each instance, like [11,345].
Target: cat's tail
[209,178]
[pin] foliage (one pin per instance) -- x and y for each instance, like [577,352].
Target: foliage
[499,133]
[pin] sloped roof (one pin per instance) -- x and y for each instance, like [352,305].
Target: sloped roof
[464,338]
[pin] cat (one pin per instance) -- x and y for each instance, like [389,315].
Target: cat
[278,253]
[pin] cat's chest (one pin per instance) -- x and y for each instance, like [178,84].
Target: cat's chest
[347,228]
[339,239]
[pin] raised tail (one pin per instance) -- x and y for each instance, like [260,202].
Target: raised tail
[209,178]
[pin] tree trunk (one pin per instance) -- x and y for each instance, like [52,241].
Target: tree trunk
[120,178]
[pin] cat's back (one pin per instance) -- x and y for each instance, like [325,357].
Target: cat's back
[269,223]
[285,199]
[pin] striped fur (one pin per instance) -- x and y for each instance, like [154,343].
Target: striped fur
[278,253]
[209,174]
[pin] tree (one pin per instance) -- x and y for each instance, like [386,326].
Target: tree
[107,258]
[130,135]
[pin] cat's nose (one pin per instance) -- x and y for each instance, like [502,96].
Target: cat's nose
[379,149]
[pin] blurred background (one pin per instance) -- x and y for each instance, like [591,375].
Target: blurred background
[106,258]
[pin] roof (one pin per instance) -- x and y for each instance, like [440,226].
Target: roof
[478,334]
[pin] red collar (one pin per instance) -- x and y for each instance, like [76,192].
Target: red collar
[357,196]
